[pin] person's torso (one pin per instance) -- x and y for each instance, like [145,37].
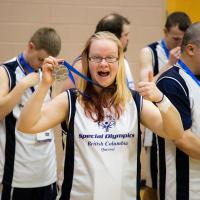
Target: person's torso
[106,156]
[158,61]
[182,171]
[27,160]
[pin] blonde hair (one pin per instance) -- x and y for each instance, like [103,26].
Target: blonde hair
[121,94]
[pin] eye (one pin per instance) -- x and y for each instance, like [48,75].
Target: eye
[41,59]
[96,59]
[111,59]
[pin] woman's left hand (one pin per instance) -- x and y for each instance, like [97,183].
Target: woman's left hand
[149,89]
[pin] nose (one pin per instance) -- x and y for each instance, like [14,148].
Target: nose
[103,61]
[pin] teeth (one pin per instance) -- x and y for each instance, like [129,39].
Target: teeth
[103,73]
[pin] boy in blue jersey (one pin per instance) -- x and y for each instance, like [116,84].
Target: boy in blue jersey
[27,164]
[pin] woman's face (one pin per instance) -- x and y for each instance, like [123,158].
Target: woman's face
[103,61]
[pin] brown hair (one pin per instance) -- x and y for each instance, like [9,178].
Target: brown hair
[47,39]
[113,97]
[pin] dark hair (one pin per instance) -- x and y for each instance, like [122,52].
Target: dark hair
[191,36]
[112,23]
[47,39]
[179,19]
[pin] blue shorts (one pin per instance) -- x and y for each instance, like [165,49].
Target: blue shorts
[48,192]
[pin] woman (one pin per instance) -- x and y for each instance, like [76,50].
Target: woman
[103,141]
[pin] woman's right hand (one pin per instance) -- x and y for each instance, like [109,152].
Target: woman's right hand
[49,65]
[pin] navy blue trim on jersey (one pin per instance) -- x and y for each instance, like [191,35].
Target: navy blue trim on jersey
[10,68]
[69,157]
[153,162]
[137,99]
[174,87]
[10,122]
[153,148]
[153,46]
[48,192]
[182,175]
[162,167]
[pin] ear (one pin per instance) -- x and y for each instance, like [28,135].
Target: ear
[190,49]
[165,31]
[31,45]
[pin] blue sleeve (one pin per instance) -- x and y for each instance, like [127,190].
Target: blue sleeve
[176,94]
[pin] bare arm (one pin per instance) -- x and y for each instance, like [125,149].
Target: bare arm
[189,143]
[164,122]
[146,62]
[8,100]
[35,116]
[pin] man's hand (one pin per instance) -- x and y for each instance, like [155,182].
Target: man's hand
[30,80]
[174,56]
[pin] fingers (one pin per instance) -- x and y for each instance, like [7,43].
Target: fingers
[176,52]
[50,63]
[144,88]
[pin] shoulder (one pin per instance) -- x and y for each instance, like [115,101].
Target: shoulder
[150,49]
[171,80]
[8,71]
[138,99]
[153,45]
[145,51]
[11,64]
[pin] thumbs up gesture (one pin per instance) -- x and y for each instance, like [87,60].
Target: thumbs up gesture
[149,90]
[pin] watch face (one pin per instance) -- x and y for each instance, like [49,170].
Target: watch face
[60,73]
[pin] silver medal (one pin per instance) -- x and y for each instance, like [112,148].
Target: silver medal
[60,73]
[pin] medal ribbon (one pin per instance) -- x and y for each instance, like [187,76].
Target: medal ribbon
[188,71]
[25,65]
[165,48]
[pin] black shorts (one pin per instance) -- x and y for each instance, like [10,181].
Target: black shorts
[48,192]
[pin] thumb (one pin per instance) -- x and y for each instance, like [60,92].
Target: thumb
[150,76]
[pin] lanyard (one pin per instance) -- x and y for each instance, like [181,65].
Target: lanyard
[72,69]
[25,65]
[165,48]
[188,71]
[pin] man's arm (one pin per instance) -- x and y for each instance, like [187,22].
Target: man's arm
[146,62]
[174,56]
[189,143]
[8,100]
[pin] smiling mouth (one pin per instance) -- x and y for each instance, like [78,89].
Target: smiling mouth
[103,74]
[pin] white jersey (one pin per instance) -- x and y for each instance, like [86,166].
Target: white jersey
[181,171]
[27,160]
[129,77]
[158,62]
[104,162]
